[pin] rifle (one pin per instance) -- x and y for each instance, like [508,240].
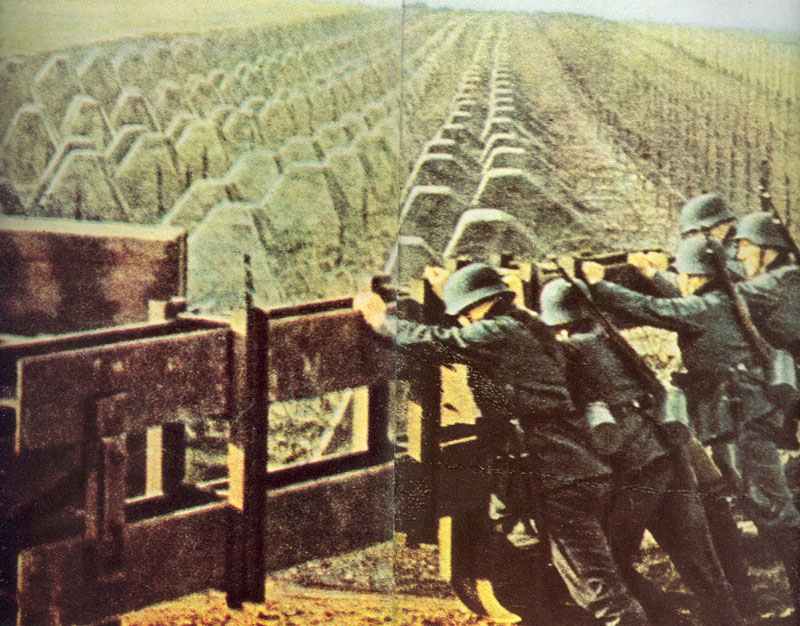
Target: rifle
[769,207]
[764,352]
[671,423]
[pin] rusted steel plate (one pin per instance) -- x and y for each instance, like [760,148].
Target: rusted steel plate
[164,558]
[341,513]
[314,354]
[61,275]
[164,377]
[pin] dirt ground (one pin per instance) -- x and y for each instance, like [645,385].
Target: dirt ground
[392,583]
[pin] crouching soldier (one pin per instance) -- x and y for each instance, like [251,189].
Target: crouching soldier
[517,373]
[725,386]
[648,491]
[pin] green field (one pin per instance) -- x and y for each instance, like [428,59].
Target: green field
[31,26]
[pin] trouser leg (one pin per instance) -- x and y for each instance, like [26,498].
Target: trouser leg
[583,557]
[770,501]
[681,528]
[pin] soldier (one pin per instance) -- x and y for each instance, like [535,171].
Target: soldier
[647,494]
[725,385]
[772,293]
[707,214]
[772,289]
[517,376]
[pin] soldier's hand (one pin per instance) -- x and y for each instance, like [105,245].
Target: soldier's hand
[593,272]
[642,263]
[659,260]
[372,307]
[437,277]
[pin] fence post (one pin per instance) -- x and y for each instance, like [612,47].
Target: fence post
[247,453]
[424,424]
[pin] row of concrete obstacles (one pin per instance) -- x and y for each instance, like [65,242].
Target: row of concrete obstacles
[245,56]
[60,103]
[483,184]
[32,138]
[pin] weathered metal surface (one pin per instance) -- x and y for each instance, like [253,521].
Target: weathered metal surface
[315,354]
[61,275]
[165,377]
[166,557]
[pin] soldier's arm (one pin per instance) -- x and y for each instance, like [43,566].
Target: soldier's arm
[666,284]
[677,314]
[764,293]
[445,344]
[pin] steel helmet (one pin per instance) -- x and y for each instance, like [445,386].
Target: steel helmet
[559,304]
[695,255]
[471,285]
[703,212]
[762,229]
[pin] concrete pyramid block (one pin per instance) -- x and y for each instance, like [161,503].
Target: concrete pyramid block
[502,140]
[98,78]
[277,123]
[240,131]
[81,189]
[63,150]
[440,169]
[300,227]
[132,107]
[202,94]
[330,136]
[169,102]
[253,174]
[343,97]
[148,177]
[178,125]
[253,104]
[215,250]
[351,178]
[409,257]
[353,125]
[11,203]
[188,55]
[431,212]
[27,146]
[508,157]
[200,149]
[323,106]
[85,117]
[219,114]
[216,77]
[54,87]
[380,165]
[15,89]
[122,142]
[300,108]
[530,198]
[196,203]
[131,68]
[231,90]
[298,149]
[461,135]
[160,63]
[482,233]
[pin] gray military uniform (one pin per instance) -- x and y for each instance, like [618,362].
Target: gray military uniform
[644,476]
[727,397]
[517,373]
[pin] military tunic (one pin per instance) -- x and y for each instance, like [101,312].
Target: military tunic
[774,302]
[720,366]
[718,358]
[517,373]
